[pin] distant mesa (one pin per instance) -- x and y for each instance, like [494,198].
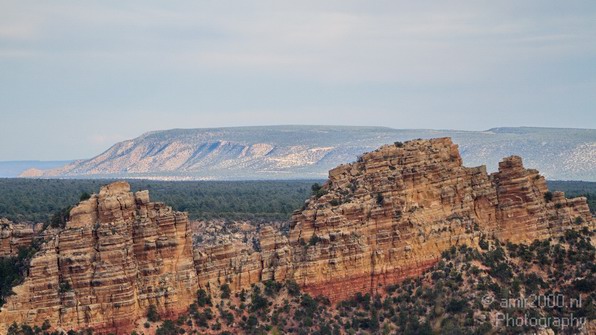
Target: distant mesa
[32,173]
[12,169]
[303,152]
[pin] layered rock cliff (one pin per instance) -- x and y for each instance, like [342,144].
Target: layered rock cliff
[386,217]
[14,236]
[390,215]
[118,254]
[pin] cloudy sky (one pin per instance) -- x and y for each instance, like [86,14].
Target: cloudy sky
[77,76]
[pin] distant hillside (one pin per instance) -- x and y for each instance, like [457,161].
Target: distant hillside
[288,152]
[11,169]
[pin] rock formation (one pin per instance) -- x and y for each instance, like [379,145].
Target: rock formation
[118,254]
[14,236]
[390,215]
[386,217]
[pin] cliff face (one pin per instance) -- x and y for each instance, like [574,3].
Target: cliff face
[390,215]
[240,265]
[118,254]
[14,236]
[375,222]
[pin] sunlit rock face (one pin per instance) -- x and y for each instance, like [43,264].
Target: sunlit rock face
[391,214]
[14,236]
[118,254]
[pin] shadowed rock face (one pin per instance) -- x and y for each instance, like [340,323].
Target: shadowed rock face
[377,221]
[118,254]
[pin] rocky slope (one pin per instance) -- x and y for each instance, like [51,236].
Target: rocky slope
[379,220]
[282,152]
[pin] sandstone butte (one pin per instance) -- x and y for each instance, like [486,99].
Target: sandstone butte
[376,221]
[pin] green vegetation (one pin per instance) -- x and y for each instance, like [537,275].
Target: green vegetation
[152,314]
[225,291]
[48,200]
[548,196]
[13,269]
[317,190]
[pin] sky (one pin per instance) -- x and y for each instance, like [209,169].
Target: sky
[78,76]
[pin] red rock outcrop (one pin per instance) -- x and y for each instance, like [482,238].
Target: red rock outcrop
[118,254]
[390,215]
[14,236]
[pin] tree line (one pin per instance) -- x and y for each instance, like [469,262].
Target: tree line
[46,200]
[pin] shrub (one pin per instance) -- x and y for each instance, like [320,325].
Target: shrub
[152,314]
[380,199]
[272,287]
[203,298]
[585,285]
[483,244]
[167,328]
[293,288]
[64,286]
[548,196]
[314,239]
[46,325]
[456,305]
[318,190]
[225,291]
[258,302]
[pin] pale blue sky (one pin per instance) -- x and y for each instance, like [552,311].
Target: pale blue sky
[77,76]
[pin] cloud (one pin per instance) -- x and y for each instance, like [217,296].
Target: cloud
[17,30]
[346,41]
[137,66]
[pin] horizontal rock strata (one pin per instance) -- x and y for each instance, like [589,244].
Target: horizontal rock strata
[118,254]
[389,216]
[13,237]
